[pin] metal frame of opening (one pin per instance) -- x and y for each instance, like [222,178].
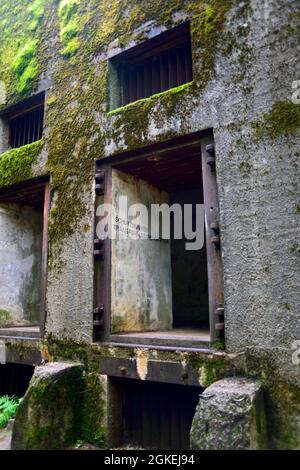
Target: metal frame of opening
[36,193]
[25,121]
[102,249]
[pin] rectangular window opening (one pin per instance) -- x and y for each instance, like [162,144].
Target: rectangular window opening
[169,283]
[156,289]
[23,123]
[154,66]
[23,257]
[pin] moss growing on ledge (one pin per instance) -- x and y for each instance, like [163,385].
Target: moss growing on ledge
[283,119]
[16,164]
[210,368]
[150,100]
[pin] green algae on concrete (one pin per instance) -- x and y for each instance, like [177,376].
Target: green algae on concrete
[20,24]
[282,119]
[16,164]
[50,414]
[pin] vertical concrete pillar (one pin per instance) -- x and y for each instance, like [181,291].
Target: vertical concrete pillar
[4,135]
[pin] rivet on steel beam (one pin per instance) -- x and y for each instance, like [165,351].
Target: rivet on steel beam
[98,248]
[215,226]
[98,322]
[99,179]
[219,311]
[99,254]
[216,240]
[99,310]
[211,157]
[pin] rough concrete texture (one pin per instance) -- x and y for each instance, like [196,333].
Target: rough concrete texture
[4,134]
[257,175]
[5,439]
[20,264]
[230,416]
[49,416]
[70,286]
[257,184]
[141,280]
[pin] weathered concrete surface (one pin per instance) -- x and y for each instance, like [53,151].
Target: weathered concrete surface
[230,416]
[5,438]
[4,134]
[141,280]
[20,264]
[257,178]
[259,222]
[49,416]
[69,314]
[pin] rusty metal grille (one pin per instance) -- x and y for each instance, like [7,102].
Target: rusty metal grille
[157,415]
[26,127]
[154,66]
[155,75]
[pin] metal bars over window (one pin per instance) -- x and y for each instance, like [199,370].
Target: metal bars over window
[26,127]
[155,66]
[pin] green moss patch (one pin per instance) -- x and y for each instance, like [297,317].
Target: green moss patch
[145,102]
[93,430]
[283,119]
[20,24]
[49,416]
[4,317]
[208,24]
[72,20]
[16,164]
[210,369]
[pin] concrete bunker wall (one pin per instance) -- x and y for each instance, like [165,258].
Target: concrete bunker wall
[141,272]
[245,85]
[20,264]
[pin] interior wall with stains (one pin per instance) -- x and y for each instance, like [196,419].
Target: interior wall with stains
[141,279]
[20,264]
[189,272]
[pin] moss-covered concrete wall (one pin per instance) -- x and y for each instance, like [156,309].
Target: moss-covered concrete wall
[244,65]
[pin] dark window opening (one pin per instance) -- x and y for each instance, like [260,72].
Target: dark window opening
[14,379]
[189,272]
[157,415]
[26,128]
[154,288]
[155,66]
[24,122]
[174,178]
